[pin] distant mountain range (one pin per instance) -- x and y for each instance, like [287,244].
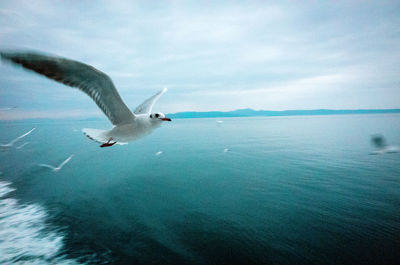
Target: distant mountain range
[254,113]
[233,113]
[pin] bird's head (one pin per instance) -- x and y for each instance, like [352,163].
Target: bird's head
[158,116]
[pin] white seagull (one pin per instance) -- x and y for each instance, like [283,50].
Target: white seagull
[56,169]
[5,109]
[128,126]
[16,140]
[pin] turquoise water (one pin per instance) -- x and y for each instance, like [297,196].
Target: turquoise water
[289,190]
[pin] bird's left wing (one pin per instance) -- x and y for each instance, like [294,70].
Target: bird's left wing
[45,165]
[86,78]
[147,105]
[20,137]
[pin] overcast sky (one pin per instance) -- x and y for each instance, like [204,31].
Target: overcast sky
[211,55]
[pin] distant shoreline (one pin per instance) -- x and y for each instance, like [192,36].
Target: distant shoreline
[230,114]
[263,113]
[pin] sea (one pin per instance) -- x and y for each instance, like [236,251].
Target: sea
[251,190]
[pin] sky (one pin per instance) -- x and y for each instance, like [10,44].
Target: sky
[211,55]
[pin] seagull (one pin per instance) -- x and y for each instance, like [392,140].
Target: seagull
[5,109]
[381,146]
[128,126]
[56,169]
[226,150]
[159,153]
[16,139]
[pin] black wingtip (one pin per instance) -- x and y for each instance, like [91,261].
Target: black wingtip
[14,55]
[8,56]
[3,55]
[8,53]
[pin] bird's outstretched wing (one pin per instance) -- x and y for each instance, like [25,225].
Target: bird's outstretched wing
[20,137]
[65,162]
[22,145]
[48,166]
[93,82]
[147,105]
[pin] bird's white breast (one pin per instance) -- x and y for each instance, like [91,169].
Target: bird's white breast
[141,126]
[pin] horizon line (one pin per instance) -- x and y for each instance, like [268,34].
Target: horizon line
[245,112]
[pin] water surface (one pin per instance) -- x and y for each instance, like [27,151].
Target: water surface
[289,190]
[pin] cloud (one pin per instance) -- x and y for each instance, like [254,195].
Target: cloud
[213,56]
[32,114]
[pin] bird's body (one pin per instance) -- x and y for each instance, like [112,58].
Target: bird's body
[122,134]
[128,126]
[138,128]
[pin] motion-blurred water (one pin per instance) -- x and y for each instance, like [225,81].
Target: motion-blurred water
[271,190]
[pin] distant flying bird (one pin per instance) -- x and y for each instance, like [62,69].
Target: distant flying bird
[219,121]
[226,150]
[128,126]
[379,142]
[16,140]
[4,109]
[56,169]
[159,153]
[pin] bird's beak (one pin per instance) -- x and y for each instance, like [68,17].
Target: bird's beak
[166,119]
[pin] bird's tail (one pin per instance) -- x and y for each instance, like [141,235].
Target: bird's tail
[96,135]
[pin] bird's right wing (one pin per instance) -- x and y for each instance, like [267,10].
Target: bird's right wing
[65,162]
[88,79]
[22,145]
[147,105]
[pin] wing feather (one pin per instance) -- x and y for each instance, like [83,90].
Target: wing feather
[86,78]
[147,106]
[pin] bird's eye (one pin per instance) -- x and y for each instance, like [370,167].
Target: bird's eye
[157,115]
[151,115]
